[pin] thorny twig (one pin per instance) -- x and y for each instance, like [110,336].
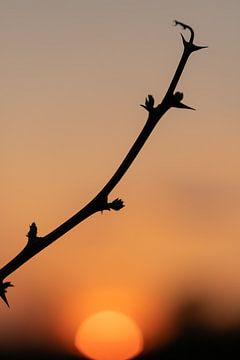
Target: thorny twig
[100,202]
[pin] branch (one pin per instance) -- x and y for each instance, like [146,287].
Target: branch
[100,202]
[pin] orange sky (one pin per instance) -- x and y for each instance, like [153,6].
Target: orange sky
[73,74]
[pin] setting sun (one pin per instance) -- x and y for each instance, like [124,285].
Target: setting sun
[109,335]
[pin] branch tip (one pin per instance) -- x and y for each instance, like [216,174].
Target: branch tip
[189,44]
[185,26]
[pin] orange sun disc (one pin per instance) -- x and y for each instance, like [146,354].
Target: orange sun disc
[109,335]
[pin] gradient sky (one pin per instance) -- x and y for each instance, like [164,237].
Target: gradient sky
[73,74]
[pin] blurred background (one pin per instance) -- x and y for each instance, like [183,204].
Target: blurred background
[73,74]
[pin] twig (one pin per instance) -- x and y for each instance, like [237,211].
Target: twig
[100,202]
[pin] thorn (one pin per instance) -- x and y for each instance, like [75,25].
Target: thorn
[176,101]
[185,26]
[3,290]
[196,47]
[183,106]
[3,296]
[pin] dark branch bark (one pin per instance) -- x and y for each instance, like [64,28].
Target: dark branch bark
[36,244]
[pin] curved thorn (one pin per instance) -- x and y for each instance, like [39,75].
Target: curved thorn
[185,26]
[4,298]
[3,290]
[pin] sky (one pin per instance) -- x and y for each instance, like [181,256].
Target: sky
[73,74]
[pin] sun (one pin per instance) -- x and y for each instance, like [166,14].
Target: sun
[109,335]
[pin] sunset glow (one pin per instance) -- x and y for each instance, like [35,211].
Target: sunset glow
[109,335]
[73,76]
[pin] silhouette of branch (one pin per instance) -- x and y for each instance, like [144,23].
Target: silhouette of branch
[100,202]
